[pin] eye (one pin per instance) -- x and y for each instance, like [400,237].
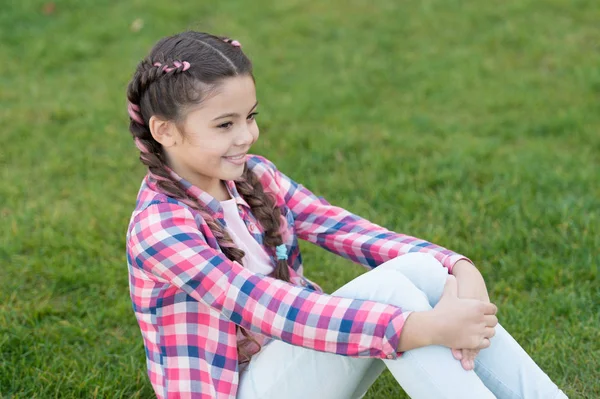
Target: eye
[252,116]
[225,125]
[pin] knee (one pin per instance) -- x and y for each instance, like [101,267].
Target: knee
[404,292]
[416,263]
[386,286]
[423,270]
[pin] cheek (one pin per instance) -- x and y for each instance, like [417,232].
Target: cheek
[211,145]
[255,132]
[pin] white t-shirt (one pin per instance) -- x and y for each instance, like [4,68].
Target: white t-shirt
[256,259]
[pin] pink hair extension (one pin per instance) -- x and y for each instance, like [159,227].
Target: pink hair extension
[234,43]
[186,65]
[144,157]
[283,228]
[189,203]
[140,145]
[157,177]
[219,236]
[134,113]
[223,243]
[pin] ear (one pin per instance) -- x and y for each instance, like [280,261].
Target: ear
[165,132]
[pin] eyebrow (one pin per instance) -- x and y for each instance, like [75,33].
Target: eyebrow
[233,114]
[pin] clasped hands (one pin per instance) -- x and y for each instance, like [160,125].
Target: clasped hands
[479,314]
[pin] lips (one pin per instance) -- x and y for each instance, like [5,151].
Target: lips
[239,159]
[236,157]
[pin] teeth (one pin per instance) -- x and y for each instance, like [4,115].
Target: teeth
[236,158]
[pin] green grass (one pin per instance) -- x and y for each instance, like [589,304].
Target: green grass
[475,125]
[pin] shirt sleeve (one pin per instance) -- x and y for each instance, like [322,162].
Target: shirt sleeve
[348,235]
[165,243]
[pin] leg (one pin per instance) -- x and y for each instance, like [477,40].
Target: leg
[281,370]
[505,368]
[372,373]
[508,371]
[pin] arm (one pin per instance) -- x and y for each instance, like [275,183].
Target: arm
[470,285]
[346,234]
[470,281]
[165,243]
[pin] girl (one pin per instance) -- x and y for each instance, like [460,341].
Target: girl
[216,273]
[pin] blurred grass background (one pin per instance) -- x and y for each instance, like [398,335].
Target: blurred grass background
[474,125]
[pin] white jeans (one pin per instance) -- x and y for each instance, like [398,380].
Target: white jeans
[412,282]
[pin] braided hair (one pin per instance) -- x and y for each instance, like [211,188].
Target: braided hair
[179,72]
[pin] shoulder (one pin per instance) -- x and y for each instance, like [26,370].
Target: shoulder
[152,205]
[267,174]
[148,196]
[260,165]
[272,179]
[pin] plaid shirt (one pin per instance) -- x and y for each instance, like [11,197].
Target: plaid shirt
[188,297]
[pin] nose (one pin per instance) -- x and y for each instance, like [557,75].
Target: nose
[245,136]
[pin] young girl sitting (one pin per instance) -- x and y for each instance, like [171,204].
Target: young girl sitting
[216,273]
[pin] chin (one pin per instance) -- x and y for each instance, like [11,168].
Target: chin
[233,175]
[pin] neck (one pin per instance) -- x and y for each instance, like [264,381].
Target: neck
[222,194]
[215,187]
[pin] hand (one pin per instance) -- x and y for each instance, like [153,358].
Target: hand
[470,285]
[466,357]
[463,323]
[470,281]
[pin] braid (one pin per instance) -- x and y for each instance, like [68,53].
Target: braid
[166,184]
[264,209]
[157,169]
[162,84]
[141,99]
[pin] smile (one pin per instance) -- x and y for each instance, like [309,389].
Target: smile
[237,159]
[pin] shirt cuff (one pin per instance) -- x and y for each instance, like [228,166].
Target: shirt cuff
[450,261]
[391,340]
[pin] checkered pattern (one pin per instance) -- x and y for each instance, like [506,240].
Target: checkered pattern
[188,297]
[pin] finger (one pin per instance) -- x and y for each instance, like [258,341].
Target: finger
[489,332]
[469,356]
[457,353]
[451,287]
[490,309]
[466,361]
[485,343]
[470,353]
[474,353]
[466,364]
[490,320]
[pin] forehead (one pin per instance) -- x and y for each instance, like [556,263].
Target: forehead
[232,95]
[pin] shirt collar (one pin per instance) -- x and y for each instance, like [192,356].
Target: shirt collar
[206,200]
[234,193]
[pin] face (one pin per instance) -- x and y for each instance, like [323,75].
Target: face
[212,143]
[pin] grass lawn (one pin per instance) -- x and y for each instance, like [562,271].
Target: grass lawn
[475,125]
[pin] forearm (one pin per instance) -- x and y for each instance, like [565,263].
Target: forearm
[464,267]
[419,330]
